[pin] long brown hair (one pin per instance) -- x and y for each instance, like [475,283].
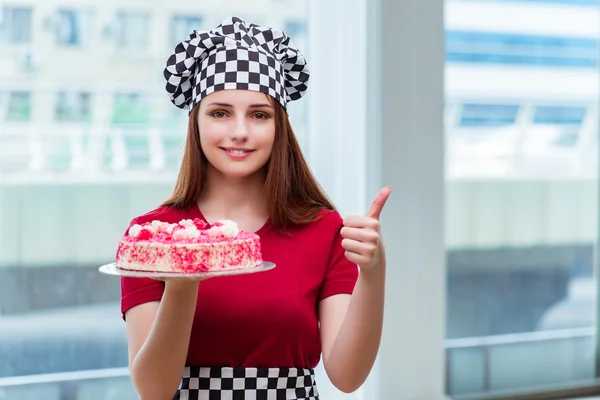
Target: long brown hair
[294,197]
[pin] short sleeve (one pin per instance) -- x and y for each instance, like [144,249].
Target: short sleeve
[136,291]
[341,274]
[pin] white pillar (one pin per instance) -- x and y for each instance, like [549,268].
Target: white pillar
[337,117]
[407,152]
[376,118]
[337,99]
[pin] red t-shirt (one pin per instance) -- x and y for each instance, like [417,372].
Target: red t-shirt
[266,319]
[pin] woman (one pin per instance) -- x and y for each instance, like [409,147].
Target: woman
[255,336]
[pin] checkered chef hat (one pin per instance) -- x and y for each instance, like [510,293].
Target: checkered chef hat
[235,55]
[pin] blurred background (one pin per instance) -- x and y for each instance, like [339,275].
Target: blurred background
[89,139]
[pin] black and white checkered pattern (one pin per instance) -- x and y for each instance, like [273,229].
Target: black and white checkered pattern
[204,383]
[235,55]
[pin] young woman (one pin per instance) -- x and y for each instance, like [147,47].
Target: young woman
[255,336]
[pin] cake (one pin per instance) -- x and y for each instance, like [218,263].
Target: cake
[189,246]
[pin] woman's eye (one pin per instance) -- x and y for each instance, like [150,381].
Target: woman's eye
[261,116]
[218,114]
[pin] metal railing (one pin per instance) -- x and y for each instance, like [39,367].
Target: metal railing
[69,385]
[64,377]
[89,154]
[487,343]
[521,148]
[70,382]
[518,149]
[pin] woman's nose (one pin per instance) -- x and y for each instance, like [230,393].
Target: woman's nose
[240,131]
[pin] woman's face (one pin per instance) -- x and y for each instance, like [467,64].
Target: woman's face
[237,131]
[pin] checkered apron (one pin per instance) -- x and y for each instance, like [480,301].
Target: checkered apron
[206,383]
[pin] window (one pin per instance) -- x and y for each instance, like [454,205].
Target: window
[173,146]
[137,148]
[296,29]
[590,3]
[183,25]
[73,106]
[521,49]
[565,139]
[101,149]
[71,27]
[522,208]
[560,115]
[488,114]
[130,109]
[133,30]
[19,106]
[15,25]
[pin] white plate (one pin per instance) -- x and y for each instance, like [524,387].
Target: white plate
[111,269]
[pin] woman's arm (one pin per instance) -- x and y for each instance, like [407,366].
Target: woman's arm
[351,329]
[159,336]
[351,326]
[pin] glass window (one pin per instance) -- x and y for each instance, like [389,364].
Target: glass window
[183,25]
[73,106]
[71,27]
[560,115]
[557,2]
[86,156]
[521,206]
[15,24]
[488,114]
[296,29]
[521,49]
[133,29]
[19,106]
[130,109]
[173,145]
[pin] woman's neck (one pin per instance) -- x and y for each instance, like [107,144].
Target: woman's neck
[241,200]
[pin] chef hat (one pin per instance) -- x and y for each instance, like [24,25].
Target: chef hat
[235,55]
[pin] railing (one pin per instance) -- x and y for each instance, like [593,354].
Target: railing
[519,148]
[116,385]
[64,377]
[67,385]
[488,343]
[102,384]
[89,154]
[520,145]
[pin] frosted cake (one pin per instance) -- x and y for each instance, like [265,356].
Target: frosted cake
[189,246]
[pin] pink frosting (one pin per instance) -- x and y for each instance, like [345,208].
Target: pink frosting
[188,246]
[186,231]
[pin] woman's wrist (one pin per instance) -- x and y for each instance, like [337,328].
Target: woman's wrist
[181,286]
